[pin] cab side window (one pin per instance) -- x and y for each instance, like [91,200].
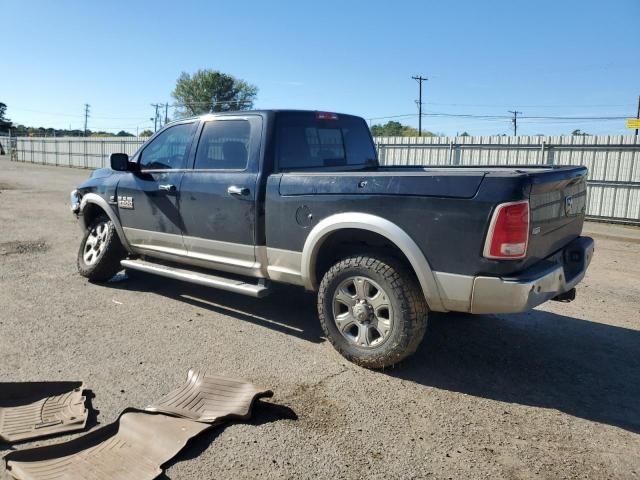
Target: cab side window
[169,150]
[224,145]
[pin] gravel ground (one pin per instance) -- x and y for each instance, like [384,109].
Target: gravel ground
[554,393]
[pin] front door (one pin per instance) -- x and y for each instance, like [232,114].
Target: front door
[149,200]
[218,197]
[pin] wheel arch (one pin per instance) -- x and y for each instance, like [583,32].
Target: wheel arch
[91,206]
[319,235]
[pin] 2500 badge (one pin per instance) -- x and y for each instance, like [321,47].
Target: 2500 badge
[125,202]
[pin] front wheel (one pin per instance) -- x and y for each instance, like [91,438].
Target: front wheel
[372,310]
[100,251]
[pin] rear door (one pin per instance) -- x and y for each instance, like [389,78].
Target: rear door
[149,200]
[218,196]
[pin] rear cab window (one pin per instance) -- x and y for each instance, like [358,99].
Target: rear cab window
[224,145]
[319,140]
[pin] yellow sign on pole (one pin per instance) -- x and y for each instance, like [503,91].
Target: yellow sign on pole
[633,123]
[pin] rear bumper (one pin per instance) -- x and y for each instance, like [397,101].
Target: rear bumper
[544,281]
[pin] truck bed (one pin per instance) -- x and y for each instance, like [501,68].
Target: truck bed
[447,210]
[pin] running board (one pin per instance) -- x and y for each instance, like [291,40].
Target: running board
[257,290]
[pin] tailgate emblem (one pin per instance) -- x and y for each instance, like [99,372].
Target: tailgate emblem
[568,205]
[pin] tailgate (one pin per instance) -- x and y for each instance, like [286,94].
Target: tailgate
[557,203]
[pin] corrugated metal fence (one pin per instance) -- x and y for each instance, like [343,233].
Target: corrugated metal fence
[90,152]
[613,161]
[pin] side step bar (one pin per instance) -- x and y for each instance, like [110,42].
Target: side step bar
[258,290]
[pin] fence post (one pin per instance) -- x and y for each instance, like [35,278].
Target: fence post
[56,145]
[9,147]
[457,153]
[102,153]
[551,153]
[69,151]
[542,153]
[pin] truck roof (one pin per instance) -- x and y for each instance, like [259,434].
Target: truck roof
[264,112]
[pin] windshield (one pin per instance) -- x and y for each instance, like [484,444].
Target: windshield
[308,142]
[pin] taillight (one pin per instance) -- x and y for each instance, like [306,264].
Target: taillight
[508,231]
[326,116]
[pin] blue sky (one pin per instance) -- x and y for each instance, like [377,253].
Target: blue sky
[544,58]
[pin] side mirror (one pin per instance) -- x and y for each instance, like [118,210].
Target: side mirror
[120,162]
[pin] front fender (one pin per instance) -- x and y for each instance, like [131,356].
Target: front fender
[95,199]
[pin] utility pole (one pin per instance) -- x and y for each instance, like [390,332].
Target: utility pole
[86,117]
[420,79]
[166,113]
[155,117]
[638,114]
[514,120]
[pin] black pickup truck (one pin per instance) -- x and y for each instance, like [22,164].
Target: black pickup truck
[238,200]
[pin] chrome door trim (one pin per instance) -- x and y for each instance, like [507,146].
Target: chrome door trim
[151,240]
[213,254]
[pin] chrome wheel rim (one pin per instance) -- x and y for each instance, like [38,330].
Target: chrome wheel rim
[362,312]
[96,243]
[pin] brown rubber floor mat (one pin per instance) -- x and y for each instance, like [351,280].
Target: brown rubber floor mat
[210,398]
[36,409]
[137,445]
[133,448]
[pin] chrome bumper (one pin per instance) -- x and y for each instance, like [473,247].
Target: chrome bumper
[74,202]
[542,282]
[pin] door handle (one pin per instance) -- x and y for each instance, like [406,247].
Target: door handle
[167,188]
[237,191]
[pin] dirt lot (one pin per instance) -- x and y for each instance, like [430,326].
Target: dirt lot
[554,393]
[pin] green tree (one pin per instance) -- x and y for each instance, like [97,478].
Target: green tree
[579,133]
[3,111]
[396,129]
[212,91]
[122,133]
[146,133]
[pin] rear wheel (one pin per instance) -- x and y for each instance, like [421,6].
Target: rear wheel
[100,250]
[372,310]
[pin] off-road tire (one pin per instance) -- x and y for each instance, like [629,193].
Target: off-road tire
[108,262]
[410,309]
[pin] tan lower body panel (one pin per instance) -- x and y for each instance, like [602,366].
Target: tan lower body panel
[137,445]
[210,398]
[38,409]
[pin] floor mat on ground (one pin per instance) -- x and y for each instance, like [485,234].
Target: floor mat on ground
[136,445]
[36,409]
[133,448]
[210,398]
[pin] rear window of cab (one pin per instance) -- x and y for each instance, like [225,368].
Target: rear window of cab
[316,140]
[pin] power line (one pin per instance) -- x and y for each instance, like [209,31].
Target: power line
[524,106]
[502,117]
